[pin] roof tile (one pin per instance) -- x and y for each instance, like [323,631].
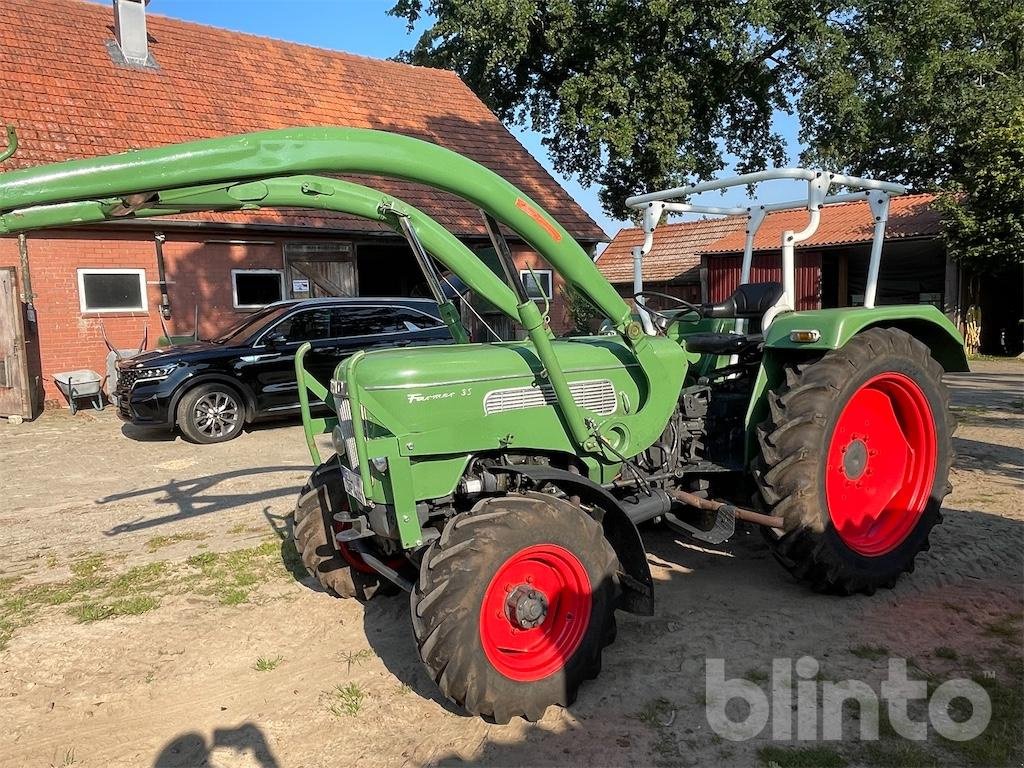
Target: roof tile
[841,224]
[675,255]
[678,247]
[68,100]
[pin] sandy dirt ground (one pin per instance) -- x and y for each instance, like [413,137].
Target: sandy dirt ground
[150,618]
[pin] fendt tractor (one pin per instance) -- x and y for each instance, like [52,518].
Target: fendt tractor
[503,485]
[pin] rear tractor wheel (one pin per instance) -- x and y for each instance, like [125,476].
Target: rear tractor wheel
[514,605]
[855,458]
[336,566]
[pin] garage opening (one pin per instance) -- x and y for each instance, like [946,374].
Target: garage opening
[389,269]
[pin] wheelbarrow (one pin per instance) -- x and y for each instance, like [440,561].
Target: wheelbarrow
[80,385]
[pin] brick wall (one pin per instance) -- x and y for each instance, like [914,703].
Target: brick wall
[528,259]
[198,272]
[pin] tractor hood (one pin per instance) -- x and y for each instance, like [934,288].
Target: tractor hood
[492,392]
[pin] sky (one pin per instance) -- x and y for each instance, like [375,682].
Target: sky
[364,27]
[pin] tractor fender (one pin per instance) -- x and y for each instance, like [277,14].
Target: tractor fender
[619,530]
[835,327]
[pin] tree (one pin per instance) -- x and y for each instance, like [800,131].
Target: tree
[899,89]
[580,311]
[639,94]
[983,212]
[628,94]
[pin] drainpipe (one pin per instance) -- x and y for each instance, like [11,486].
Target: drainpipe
[165,300]
[26,279]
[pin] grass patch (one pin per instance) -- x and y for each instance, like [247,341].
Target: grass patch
[758,676]
[345,700]
[88,566]
[232,576]
[657,713]
[1006,628]
[65,760]
[898,751]
[872,652]
[801,757]
[159,542]
[95,593]
[129,606]
[264,664]
[356,658]
[1002,742]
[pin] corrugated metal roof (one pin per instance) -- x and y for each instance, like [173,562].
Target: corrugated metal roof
[841,224]
[69,100]
[676,251]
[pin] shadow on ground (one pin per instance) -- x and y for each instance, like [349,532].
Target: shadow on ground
[191,749]
[197,496]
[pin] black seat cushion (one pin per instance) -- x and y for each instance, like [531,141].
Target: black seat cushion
[748,300]
[722,343]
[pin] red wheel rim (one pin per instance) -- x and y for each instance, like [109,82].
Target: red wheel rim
[881,464]
[355,560]
[519,643]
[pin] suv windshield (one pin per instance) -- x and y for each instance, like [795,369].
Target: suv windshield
[253,324]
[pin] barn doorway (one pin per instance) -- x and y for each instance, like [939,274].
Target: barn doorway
[15,382]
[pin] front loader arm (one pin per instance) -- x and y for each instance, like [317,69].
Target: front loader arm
[239,172]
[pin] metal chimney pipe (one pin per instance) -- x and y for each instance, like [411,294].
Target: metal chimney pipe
[130,31]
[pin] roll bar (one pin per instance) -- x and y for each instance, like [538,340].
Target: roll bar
[819,184]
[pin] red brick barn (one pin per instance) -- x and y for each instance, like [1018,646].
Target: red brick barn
[79,79]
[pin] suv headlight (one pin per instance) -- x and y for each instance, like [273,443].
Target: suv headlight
[148,374]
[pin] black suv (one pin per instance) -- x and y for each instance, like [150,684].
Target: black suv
[211,389]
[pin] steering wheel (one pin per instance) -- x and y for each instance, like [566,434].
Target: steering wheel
[687,306]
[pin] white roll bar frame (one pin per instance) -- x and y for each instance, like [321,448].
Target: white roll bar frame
[876,193]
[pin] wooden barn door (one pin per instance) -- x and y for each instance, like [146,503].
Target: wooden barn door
[320,269]
[15,398]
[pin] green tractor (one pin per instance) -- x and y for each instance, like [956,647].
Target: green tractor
[503,484]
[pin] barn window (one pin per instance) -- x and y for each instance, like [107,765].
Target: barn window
[112,290]
[255,288]
[537,283]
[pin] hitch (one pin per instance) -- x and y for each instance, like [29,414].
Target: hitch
[726,516]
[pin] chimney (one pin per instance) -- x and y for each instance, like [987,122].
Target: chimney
[130,32]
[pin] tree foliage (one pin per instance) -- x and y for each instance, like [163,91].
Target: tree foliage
[983,216]
[628,94]
[639,94]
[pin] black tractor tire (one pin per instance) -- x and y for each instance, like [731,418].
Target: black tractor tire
[795,443]
[211,413]
[459,574]
[313,534]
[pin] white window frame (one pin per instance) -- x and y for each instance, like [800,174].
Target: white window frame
[143,288]
[525,273]
[234,286]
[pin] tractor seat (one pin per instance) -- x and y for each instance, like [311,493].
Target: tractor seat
[749,300]
[722,343]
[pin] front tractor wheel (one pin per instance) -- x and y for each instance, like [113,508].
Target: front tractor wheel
[338,568]
[514,605]
[855,458]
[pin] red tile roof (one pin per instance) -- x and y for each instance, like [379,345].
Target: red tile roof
[678,247]
[68,99]
[675,254]
[841,224]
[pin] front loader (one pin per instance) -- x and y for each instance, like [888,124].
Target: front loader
[503,485]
